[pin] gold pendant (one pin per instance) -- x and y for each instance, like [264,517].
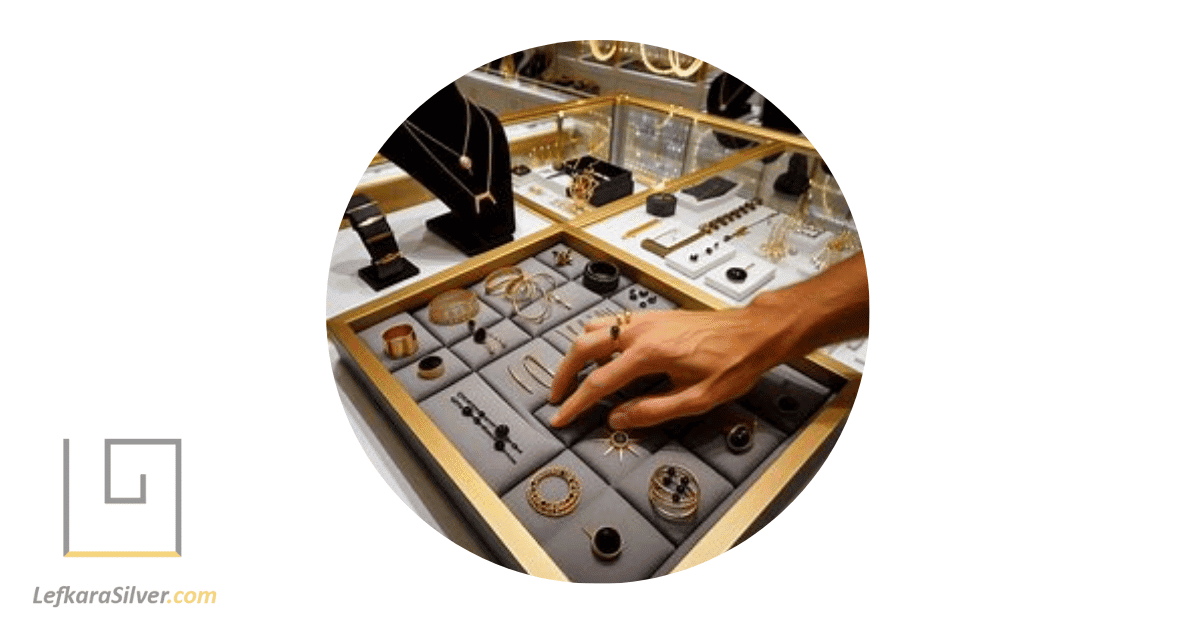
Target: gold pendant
[482,197]
[465,162]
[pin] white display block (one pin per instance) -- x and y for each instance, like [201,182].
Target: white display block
[700,256]
[758,273]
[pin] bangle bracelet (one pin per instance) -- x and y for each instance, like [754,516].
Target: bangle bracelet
[557,508]
[674,493]
[453,307]
[528,359]
[518,380]
[661,204]
[388,259]
[601,277]
[431,367]
[400,341]
[500,278]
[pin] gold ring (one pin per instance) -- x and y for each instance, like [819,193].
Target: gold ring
[557,508]
[400,341]
[431,367]
[606,542]
[674,493]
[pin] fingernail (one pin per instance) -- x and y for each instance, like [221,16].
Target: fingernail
[557,421]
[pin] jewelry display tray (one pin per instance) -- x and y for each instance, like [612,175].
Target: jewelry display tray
[739,492]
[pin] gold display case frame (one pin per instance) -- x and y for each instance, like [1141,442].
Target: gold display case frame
[775,486]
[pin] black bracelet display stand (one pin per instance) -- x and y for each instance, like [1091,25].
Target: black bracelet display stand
[388,267]
[795,181]
[459,152]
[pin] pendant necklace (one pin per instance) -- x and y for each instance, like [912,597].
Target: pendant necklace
[722,103]
[463,160]
[487,192]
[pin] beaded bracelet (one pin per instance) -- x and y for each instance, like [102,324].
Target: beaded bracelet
[557,508]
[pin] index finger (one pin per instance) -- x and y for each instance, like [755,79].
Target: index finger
[601,383]
[589,347]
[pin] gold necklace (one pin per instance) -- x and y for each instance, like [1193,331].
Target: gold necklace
[463,160]
[482,196]
[722,103]
[594,44]
[677,66]
[650,66]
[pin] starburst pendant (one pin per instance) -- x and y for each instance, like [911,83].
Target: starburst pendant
[621,442]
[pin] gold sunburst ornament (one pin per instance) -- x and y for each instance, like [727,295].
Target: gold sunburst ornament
[620,442]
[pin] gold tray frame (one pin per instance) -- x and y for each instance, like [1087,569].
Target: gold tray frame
[775,486]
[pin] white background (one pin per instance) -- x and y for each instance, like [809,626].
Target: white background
[1023,448]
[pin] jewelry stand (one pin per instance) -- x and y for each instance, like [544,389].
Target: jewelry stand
[388,267]
[459,152]
[729,98]
[795,181]
[451,228]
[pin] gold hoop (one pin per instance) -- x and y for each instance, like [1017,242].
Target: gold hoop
[557,508]
[594,44]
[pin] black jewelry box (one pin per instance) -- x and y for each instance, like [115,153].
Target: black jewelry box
[614,181]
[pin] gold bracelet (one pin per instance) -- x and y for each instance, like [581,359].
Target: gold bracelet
[400,341]
[557,508]
[494,283]
[640,228]
[379,236]
[453,307]
[517,379]
[674,493]
[389,258]
[528,359]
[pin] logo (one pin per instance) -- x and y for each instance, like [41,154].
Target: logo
[124,526]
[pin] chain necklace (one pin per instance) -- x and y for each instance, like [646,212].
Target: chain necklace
[650,66]
[679,69]
[595,46]
[463,160]
[722,103]
[487,192]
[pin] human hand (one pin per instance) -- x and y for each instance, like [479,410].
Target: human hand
[711,358]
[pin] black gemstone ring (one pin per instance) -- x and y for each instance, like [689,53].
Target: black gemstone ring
[736,275]
[431,367]
[606,543]
[740,438]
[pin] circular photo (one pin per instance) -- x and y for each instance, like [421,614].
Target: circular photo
[597,310]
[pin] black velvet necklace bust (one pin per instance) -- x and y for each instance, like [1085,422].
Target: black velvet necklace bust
[478,189]
[729,98]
